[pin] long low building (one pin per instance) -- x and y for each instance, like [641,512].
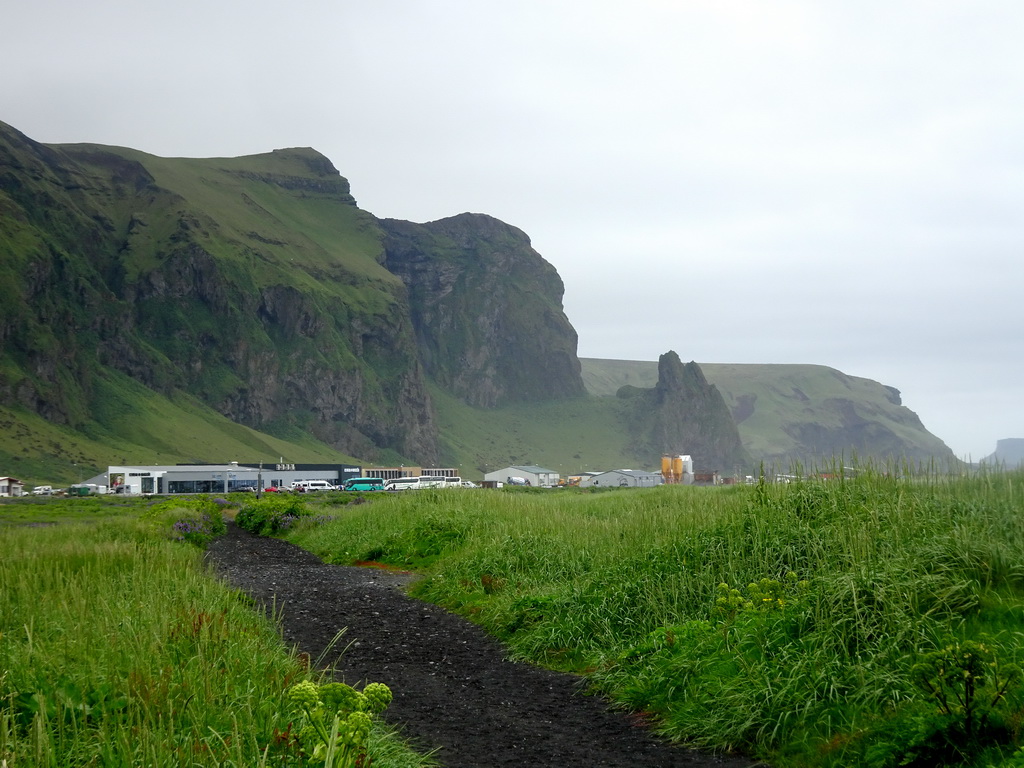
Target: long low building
[217,478]
[622,478]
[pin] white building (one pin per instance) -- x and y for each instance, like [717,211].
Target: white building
[10,486]
[622,478]
[532,474]
[216,478]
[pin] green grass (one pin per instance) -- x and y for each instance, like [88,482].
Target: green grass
[137,426]
[324,233]
[784,621]
[118,649]
[566,436]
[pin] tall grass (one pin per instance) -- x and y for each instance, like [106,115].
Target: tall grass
[783,620]
[118,649]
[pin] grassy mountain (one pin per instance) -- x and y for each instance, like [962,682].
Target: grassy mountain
[258,287]
[796,413]
[176,309]
[251,283]
[139,426]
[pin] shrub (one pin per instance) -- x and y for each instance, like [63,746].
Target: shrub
[197,519]
[266,517]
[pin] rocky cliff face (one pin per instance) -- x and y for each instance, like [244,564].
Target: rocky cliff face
[194,280]
[257,285]
[683,414]
[486,308]
[1009,453]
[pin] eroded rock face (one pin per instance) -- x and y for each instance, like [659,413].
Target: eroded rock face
[193,275]
[486,309]
[684,414]
[219,294]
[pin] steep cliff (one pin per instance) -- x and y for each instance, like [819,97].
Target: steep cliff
[486,308]
[253,283]
[1009,453]
[682,413]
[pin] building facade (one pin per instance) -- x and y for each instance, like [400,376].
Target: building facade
[11,486]
[217,478]
[622,478]
[532,474]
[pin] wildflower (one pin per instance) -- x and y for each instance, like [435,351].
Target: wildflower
[305,694]
[338,697]
[355,729]
[378,696]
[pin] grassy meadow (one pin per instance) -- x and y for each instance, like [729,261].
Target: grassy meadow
[873,621]
[118,648]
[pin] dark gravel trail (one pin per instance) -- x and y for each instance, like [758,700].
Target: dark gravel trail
[453,687]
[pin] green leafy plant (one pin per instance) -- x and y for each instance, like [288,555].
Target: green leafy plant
[335,720]
[767,596]
[967,682]
[966,686]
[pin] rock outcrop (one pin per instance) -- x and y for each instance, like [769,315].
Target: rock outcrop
[486,309]
[684,414]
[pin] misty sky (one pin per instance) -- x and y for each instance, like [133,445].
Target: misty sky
[839,183]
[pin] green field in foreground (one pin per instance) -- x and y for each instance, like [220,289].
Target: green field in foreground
[117,648]
[871,621]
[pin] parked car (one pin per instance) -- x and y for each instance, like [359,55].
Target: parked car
[42,490]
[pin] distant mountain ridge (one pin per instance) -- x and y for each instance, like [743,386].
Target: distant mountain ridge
[253,295]
[1009,452]
[796,413]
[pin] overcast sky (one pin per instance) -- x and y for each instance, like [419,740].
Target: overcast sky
[745,181]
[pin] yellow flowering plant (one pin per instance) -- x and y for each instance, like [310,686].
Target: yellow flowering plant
[335,719]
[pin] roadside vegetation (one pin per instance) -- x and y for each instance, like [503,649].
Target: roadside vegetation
[873,621]
[117,648]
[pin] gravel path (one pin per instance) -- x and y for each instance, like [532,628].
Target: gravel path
[454,688]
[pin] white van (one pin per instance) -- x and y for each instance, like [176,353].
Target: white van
[42,490]
[308,486]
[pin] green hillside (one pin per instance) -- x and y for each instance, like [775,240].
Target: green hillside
[138,426]
[178,309]
[253,284]
[584,433]
[796,413]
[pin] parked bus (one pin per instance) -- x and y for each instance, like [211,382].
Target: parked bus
[364,484]
[402,484]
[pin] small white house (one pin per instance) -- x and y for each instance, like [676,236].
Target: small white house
[531,474]
[10,486]
[622,478]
